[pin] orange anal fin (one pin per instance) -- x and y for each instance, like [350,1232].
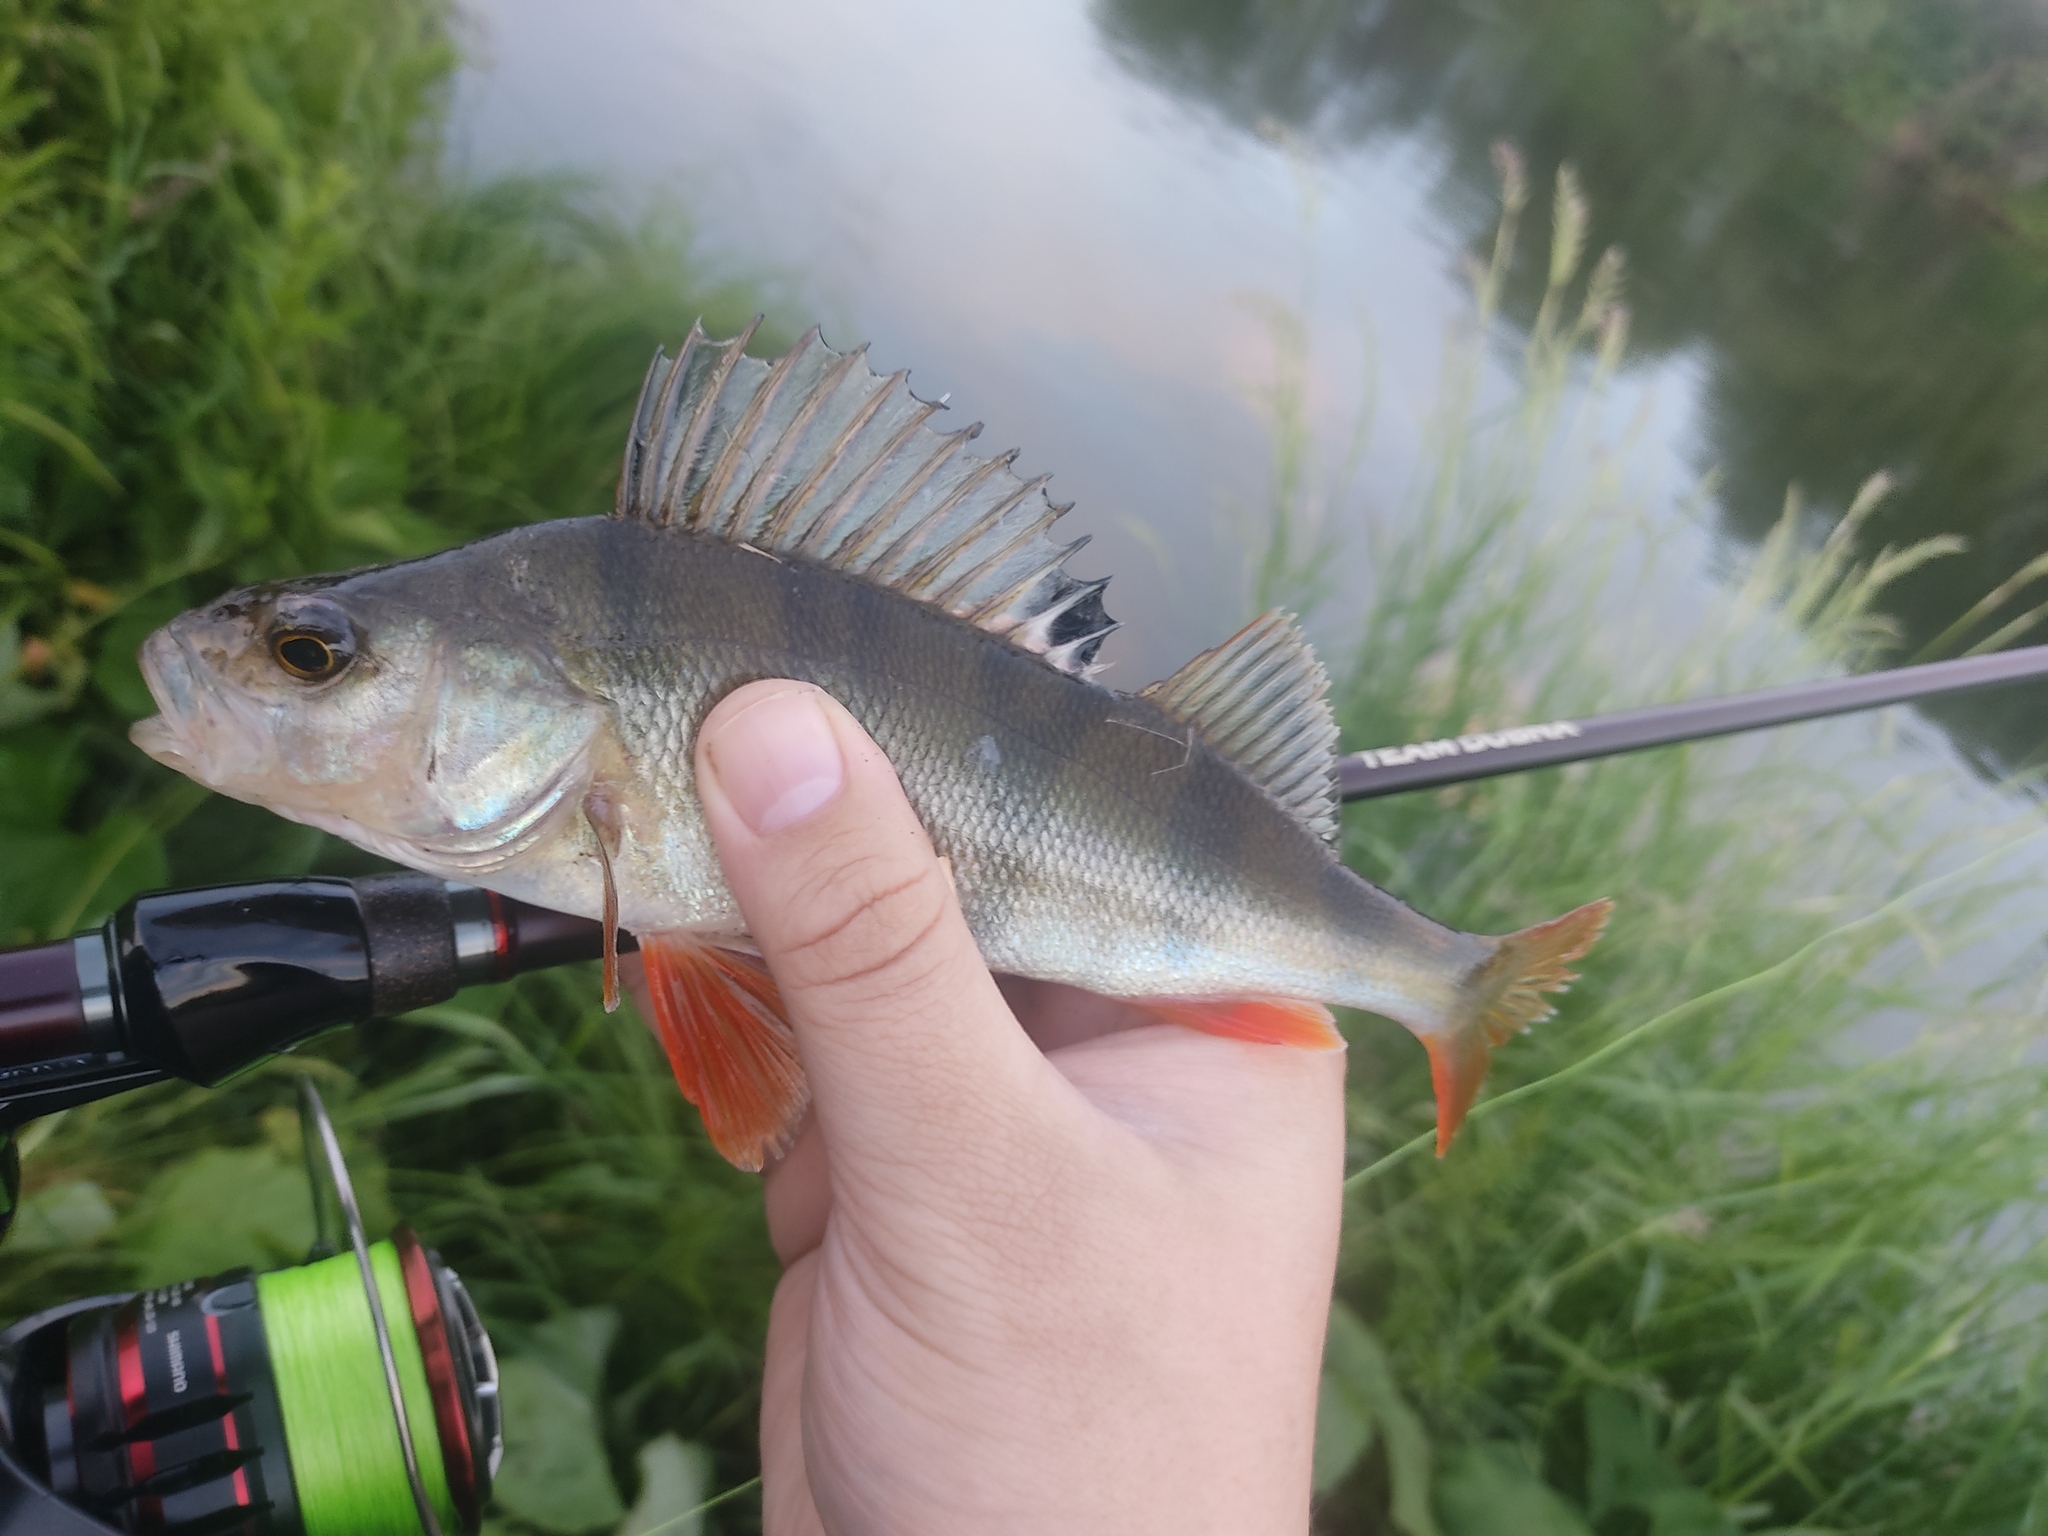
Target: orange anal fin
[1259,1021]
[721,1020]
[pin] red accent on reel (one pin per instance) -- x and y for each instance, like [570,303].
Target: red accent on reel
[227,1423]
[501,932]
[134,1404]
[451,1424]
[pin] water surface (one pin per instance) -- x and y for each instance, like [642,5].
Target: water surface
[1075,221]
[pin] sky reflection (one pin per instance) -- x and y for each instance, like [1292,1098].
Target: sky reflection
[1077,258]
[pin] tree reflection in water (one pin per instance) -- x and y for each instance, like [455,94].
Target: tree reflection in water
[1856,301]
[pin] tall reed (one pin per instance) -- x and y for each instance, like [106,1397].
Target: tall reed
[1721,1260]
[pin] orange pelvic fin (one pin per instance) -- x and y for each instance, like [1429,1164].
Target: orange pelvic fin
[721,1021]
[1260,1021]
[1510,993]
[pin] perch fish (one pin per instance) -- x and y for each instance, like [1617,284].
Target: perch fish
[519,714]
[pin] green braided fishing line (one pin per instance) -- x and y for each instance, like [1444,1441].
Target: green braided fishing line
[341,1436]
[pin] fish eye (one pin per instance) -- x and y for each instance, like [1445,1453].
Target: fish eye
[310,655]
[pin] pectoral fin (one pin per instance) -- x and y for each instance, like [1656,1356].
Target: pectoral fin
[721,1021]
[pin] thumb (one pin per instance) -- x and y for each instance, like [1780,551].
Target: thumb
[908,1044]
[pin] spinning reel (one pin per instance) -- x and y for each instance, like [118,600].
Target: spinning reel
[356,1393]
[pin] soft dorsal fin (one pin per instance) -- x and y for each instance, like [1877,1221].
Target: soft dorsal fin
[1263,700]
[814,457]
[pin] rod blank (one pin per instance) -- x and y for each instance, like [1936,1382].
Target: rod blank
[1486,754]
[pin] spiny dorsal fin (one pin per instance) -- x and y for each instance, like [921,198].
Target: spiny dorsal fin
[1263,700]
[815,457]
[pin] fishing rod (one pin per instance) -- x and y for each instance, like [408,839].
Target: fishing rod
[199,984]
[1486,754]
[104,1427]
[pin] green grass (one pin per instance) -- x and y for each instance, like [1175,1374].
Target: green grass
[1705,1259]
[1710,1260]
[246,331]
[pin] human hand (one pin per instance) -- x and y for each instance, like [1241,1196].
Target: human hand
[1064,1275]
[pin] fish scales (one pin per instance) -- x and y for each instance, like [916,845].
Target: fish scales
[1086,795]
[522,713]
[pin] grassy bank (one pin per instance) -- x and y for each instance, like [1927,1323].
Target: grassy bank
[1718,1263]
[247,331]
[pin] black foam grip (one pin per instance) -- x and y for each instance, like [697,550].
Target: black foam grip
[411,936]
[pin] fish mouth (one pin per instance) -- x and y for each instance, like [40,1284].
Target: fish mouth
[169,676]
[159,739]
[180,692]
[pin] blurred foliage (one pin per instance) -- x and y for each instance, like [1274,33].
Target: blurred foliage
[1710,1257]
[1960,83]
[248,330]
[1834,213]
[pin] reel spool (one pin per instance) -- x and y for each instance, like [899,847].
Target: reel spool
[355,1395]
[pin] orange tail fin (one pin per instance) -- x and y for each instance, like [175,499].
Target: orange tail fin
[1260,1021]
[720,1019]
[1509,993]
